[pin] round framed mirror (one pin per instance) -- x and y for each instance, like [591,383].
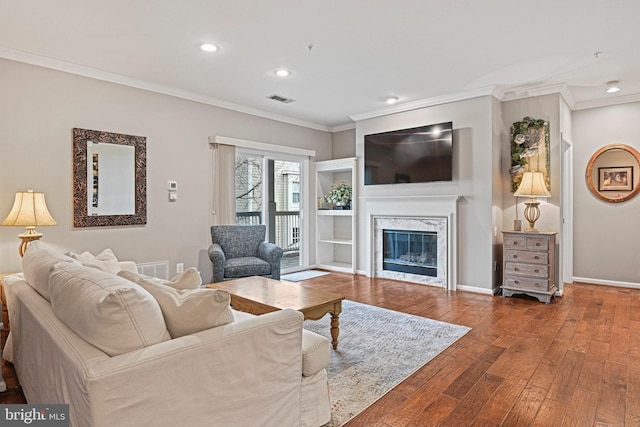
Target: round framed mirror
[613,173]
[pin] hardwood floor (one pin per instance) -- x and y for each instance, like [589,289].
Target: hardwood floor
[575,362]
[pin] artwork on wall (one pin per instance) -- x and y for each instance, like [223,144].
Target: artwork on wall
[615,178]
[529,150]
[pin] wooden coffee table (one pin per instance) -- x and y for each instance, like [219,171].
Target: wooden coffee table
[260,295]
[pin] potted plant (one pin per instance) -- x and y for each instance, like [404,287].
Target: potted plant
[339,195]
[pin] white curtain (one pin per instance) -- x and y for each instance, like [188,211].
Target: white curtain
[224,185]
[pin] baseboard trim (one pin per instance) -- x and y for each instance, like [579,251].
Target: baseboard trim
[476,290]
[607,282]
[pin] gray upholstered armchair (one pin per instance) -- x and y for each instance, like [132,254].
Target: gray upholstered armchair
[240,251]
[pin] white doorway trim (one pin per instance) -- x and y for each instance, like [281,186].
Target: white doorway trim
[566,214]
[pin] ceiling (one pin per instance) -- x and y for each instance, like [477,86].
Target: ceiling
[346,57]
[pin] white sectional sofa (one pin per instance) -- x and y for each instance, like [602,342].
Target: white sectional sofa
[113,361]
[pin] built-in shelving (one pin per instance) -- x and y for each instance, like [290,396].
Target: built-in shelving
[336,229]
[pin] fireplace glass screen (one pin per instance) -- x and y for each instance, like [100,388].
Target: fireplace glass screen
[414,252]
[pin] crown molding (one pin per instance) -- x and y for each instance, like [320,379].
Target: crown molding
[521,92]
[340,128]
[501,94]
[428,102]
[80,70]
[606,102]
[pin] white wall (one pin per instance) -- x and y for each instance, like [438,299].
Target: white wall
[473,180]
[38,109]
[606,235]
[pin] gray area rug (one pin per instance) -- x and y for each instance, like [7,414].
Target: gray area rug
[303,275]
[377,350]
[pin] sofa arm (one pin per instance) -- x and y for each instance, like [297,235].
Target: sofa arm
[244,373]
[216,255]
[273,255]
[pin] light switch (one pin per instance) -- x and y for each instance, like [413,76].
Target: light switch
[172,186]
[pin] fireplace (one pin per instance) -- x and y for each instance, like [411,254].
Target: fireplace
[413,249]
[432,222]
[410,251]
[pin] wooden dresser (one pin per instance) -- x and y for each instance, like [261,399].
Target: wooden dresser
[529,264]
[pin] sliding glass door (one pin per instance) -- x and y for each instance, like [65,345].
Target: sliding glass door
[269,191]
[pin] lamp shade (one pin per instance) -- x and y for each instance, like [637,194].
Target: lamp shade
[532,185]
[29,209]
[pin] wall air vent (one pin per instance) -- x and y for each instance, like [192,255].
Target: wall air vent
[281,99]
[159,269]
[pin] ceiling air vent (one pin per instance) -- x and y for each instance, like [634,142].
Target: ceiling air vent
[281,99]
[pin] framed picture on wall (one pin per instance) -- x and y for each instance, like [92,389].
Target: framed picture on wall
[619,178]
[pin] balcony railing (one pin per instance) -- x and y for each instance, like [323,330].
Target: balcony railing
[287,227]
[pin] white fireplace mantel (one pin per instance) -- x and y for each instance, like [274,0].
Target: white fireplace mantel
[442,206]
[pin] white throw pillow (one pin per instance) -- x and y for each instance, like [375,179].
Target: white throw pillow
[128,266]
[109,312]
[105,260]
[190,310]
[36,266]
[188,279]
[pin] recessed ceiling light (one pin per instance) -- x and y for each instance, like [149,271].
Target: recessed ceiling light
[613,86]
[282,72]
[208,47]
[392,100]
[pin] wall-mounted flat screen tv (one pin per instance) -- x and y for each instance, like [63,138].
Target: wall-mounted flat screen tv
[421,154]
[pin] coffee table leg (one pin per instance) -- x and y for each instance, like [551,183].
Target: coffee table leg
[335,329]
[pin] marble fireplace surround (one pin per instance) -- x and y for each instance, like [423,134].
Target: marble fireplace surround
[421,213]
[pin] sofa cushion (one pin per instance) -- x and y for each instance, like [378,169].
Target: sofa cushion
[246,266]
[108,311]
[36,266]
[316,353]
[105,260]
[316,349]
[188,279]
[189,310]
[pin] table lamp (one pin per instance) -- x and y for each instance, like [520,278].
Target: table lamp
[29,210]
[532,186]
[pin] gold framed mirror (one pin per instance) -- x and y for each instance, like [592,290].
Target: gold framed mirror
[109,179]
[613,173]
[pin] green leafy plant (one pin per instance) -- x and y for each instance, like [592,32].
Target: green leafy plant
[339,193]
[523,128]
[524,133]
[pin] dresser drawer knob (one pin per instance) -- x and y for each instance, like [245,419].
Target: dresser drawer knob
[516,269]
[515,243]
[536,257]
[516,281]
[536,270]
[515,256]
[538,244]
